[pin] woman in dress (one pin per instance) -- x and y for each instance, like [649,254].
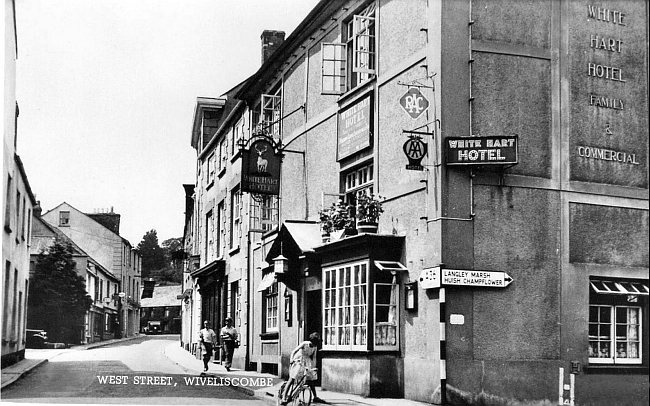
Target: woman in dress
[303,362]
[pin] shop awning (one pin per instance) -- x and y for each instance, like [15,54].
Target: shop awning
[609,287]
[390,266]
[267,280]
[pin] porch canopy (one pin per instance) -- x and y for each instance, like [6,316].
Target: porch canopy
[295,241]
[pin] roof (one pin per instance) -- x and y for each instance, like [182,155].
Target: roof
[305,233]
[163,296]
[295,237]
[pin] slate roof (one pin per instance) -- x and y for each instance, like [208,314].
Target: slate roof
[163,296]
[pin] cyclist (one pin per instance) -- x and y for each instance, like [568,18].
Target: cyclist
[303,362]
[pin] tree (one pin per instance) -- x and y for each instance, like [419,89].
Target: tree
[58,301]
[153,257]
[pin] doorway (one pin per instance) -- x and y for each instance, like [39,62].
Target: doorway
[314,321]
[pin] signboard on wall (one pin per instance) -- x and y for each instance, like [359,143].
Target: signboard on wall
[482,150]
[354,128]
[261,167]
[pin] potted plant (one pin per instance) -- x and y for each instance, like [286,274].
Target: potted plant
[335,220]
[369,209]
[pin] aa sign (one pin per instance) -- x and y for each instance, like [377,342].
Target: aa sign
[414,102]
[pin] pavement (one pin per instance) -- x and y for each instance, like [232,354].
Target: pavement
[262,386]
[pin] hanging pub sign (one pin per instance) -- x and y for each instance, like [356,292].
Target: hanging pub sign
[354,128]
[482,150]
[261,167]
[415,149]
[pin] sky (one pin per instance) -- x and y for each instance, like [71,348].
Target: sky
[107,90]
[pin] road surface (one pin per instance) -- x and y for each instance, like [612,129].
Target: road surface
[133,372]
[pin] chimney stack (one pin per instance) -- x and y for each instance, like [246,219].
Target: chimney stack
[271,41]
[38,210]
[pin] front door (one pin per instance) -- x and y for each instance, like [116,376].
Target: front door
[314,321]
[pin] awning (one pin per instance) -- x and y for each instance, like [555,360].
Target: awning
[608,287]
[390,266]
[267,280]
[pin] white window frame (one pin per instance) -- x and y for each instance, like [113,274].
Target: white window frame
[271,113]
[336,300]
[351,62]
[265,213]
[235,217]
[610,337]
[211,168]
[271,309]
[64,219]
[333,68]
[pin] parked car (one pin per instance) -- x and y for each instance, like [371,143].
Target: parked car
[36,338]
[154,327]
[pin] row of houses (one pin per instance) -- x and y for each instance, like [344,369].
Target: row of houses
[511,256]
[109,264]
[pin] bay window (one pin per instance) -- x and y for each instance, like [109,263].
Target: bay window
[360,309]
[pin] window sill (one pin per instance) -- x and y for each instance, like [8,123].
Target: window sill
[221,173]
[359,90]
[209,185]
[616,370]
[269,336]
[236,156]
[233,251]
[8,228]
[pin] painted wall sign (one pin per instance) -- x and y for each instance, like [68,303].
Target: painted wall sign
[261,168]
[354,128]
[482,150]
[414,103]
[415,149]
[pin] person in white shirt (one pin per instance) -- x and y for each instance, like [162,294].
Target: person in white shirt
[208,339]
[230,341]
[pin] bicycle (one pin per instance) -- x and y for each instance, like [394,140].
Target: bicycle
[299,395]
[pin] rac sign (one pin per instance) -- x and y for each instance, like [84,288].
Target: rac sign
[414,102]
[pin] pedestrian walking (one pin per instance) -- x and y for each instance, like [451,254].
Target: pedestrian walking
[230,341]
[303,362]
[208,339]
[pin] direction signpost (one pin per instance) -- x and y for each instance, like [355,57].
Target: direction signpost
[462,277]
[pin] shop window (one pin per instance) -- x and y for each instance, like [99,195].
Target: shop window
[347,311]
[64,218]
[616,328]
[265,213]
[351,62]
[271,308]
